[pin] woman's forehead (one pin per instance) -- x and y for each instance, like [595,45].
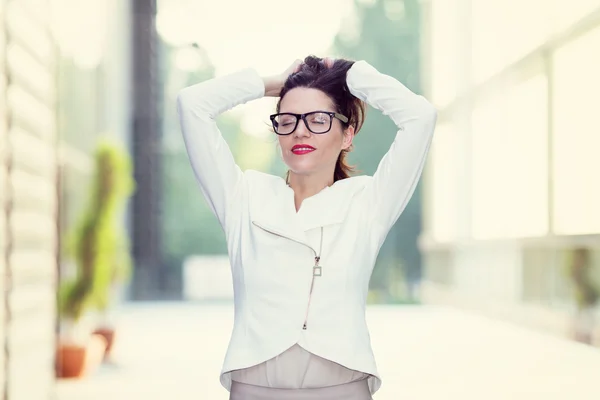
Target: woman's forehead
[302,100]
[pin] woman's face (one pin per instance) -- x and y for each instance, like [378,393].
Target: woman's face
[307,153]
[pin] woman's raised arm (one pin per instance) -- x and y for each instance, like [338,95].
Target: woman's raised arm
[399,170]
[213,164]
[198,106]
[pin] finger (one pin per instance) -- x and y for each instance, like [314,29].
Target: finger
[297,64]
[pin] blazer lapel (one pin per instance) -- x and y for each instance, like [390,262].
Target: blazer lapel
[276,214]
[323,209]
[330,206]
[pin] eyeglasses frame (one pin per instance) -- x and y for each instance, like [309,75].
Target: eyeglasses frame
[302,117]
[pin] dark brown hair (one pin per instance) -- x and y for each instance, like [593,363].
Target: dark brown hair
[315,74]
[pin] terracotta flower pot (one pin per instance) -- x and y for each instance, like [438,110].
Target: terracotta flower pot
[108,333]
[75,360]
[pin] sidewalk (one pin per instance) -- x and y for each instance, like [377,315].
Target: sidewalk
[174,351]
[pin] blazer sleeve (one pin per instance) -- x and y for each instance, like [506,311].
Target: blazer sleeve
[217,173]
[397,175]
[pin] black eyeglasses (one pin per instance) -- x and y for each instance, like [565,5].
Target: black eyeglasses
[316,121]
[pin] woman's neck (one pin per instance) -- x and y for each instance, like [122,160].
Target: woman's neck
[305,186]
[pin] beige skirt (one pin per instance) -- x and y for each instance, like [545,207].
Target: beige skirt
[297,368]
[357,390]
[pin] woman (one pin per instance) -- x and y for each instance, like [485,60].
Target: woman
[302,249]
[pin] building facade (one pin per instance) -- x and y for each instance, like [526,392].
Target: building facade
[64,81]
[28,198]
[511,188]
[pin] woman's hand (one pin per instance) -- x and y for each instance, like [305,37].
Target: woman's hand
[273,84]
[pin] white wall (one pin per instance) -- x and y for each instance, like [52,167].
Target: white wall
[515,156]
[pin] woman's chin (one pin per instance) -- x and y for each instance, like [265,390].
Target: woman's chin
[301,169]
[300,166]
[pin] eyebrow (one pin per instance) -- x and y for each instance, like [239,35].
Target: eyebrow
[316,110]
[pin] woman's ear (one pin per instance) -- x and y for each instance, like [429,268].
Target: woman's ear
[348,137]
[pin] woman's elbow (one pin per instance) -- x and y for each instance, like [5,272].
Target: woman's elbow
[184,97]
[429,116]
[190,100]
[428,112]
[427,109]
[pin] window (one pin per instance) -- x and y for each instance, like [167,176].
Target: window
[509,164]
[576,144]
[503,31]
[445,51]
[565,13]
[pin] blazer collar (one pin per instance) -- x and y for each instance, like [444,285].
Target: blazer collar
[277,213]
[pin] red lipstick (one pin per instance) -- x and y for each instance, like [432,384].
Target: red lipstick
[300,149]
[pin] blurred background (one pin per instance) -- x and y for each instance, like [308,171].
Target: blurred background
[113,265]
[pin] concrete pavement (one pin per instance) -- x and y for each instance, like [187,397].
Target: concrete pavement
[174,351]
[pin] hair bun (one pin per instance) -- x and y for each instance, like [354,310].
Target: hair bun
[314,64]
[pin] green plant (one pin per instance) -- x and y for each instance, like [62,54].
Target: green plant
[98,244]
[586,290]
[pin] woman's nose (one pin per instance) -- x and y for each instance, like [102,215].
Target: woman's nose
[301,129]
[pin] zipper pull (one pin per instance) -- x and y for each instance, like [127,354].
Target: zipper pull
[317,270]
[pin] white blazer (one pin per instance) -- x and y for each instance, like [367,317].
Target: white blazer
[272,247]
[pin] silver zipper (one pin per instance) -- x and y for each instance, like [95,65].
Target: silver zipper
[316,270]
[274,232]
[312,284]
